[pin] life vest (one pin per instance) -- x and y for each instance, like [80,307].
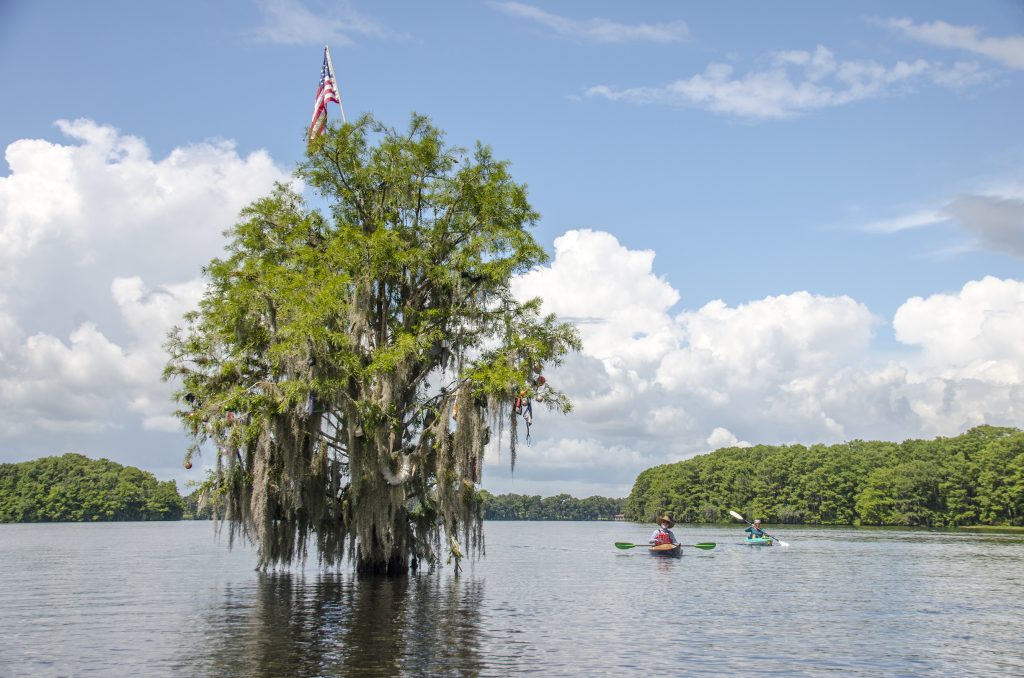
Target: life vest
[663,537]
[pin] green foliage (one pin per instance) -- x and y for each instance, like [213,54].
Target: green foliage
[973,479]
[559,507]
[74,488]
[348,367]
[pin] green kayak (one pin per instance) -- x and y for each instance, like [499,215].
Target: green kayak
[758,541]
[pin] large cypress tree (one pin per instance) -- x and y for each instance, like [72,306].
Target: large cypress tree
[349,363]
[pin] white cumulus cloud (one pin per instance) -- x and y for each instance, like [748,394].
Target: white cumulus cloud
[793,368]
[972,334]
[596,282]
[723,437]
[765,342]
[101,246]
[103,197]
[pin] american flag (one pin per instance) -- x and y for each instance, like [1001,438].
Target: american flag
[326,92]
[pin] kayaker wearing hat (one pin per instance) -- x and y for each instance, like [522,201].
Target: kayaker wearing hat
[755,530]
[663,535]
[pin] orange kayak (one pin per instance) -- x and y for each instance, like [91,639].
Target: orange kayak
[666,550]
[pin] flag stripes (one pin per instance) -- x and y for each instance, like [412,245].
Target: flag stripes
[326,92]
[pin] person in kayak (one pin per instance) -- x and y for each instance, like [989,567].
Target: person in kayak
[755,531]
[663,535]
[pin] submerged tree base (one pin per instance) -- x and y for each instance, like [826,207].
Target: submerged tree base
[394,567]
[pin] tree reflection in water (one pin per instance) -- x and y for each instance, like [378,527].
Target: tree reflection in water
[338,624]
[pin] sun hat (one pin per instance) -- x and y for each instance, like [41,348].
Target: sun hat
[664,519]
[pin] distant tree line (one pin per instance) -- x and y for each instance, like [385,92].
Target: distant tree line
[558,507]
[973,479]
[75,488]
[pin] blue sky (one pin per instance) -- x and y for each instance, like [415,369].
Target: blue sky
[775,224]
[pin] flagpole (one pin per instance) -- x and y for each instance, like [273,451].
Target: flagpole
[330,65]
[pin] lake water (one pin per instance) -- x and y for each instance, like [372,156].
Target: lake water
[168,599]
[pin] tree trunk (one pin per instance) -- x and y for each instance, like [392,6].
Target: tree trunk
[394,566]
[392,560]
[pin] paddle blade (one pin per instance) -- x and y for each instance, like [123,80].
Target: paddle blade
[707,546]
[625,545]
[777,540]
[737,516]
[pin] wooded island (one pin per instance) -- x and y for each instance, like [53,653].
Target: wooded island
[976,478]
[75,488]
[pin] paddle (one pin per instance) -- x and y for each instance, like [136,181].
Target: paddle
[739,517]
[707,546]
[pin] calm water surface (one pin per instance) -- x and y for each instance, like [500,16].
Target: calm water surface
[151,599]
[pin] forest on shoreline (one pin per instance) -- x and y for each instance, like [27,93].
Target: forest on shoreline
[75,488]
[558,507]
[974,479]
